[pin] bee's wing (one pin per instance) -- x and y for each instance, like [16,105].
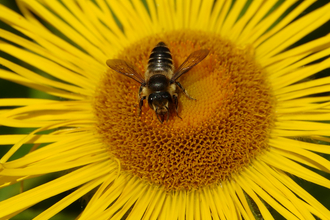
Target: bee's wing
[189,63]
[126,69]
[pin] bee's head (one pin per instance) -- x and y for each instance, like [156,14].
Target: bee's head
[159,102]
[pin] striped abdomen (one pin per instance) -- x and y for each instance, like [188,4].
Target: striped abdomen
[160,59]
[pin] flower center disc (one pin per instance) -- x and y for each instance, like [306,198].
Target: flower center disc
[220,132]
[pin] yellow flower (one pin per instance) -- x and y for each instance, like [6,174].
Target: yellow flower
[259,118]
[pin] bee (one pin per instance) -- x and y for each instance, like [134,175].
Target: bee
[159,83]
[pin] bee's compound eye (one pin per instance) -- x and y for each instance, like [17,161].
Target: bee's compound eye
[154,96]
[152,99]
[166,95]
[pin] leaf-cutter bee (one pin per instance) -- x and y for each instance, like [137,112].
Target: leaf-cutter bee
[159,83]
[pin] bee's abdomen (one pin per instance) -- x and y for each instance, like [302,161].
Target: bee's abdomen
[160,58]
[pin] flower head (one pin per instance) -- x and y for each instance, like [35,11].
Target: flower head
[257,118]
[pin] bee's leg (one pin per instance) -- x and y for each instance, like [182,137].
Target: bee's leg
[141,103]
[158,117]
[141,99]
[176,104]
[140,91]
[185,92]
[168,114]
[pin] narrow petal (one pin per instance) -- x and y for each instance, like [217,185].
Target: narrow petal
[190,205]
[60,106]
[245,211]
[261,206]
[305,92]
[220,206]
[70,62]
[315,111]
[305,157]
[297,133]
[61,146]
[273,199]
[35,85]
[269,21]
[134,28]
[295,54]
[68,200]
[256,18]
[304,85]
[45,38]
[277,175]
[285,197]
[304,101]
[74,24]
[52,188]
[230,203]
[239,26]
[56,21]
[100,199]
[203,15]
[293,32]
[23,101]
[153,210]
[205,207]
[284,21]
[56,164]
[216,215]
[232,17]
[242,198]
[296,63]
[302,125]
[29,136]
[129,202]
[220,13]
[307,116]
[282,163]
[296,144]
[48,67]
[141,206]
[36,139]
[124,202]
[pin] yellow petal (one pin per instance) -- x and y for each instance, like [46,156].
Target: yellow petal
[293,203]
[282,163]
[293,32]
[55,187]
[26,82]
[295,188]
[256,18]
[35,139]
[48,67]
[295,144]
[305,92]
[295,54]
[72,197]
[250,191]
[273,199]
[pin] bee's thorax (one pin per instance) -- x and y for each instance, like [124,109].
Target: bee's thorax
[158,82]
